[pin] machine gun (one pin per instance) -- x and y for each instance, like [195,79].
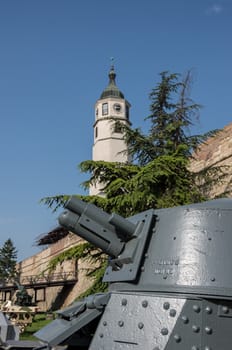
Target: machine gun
[170,282]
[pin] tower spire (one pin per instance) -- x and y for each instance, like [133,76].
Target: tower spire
[112,74]
[112,90]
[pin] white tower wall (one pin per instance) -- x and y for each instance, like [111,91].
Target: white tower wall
[109,144]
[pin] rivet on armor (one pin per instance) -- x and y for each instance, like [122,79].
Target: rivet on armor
[142,268]
[208,310]
[120,323]
[104,323]
[144,303]
[207,348]
[213,279]
[146,255]
[196,308]
[172,312]
[164,331]
[208,330]
[195,328]
[140,325]
[101,335]
[225,309]
[185,319]
[194,348]
[124,302]
[166,305]
[177,338]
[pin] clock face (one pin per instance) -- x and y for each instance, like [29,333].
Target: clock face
[117,107]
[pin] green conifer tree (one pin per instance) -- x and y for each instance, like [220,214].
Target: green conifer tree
[8,260]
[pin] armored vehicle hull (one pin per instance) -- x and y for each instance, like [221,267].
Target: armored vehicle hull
[170,282]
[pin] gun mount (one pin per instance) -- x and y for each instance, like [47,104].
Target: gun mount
[170,282]
[122,239]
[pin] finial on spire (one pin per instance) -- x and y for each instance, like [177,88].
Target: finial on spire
[112,74]
[112,63]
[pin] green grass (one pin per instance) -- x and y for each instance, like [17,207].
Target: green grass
[39,321]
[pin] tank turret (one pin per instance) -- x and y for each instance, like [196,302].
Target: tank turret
[170,286]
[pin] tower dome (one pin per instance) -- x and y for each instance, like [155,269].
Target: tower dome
[112,90]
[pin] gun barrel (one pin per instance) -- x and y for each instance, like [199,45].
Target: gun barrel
[107,232]
[122,225]
[80,207]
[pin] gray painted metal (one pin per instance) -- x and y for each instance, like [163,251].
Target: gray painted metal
[188,252]
[7,330]
[72,319]
[138,322]
[170,281]
[202,325]
[23,345]
[88,222]
[169,273]
[61,329]
[183,249]
[9,336]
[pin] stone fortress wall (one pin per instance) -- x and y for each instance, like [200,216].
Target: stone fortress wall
[216,151]
[59,288]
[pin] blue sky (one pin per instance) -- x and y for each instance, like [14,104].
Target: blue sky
[54,61]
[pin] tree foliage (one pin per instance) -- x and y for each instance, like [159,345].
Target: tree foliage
[172,114]
[8,260]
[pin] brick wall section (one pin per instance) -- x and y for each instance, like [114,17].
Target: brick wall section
[216,151]
[37,263]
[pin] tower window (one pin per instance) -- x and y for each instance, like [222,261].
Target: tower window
[96,132]
[127,112]
[104,108]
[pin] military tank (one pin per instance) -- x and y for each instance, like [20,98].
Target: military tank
[170,281]
[169,274]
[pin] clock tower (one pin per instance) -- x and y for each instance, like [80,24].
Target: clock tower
[108,137]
